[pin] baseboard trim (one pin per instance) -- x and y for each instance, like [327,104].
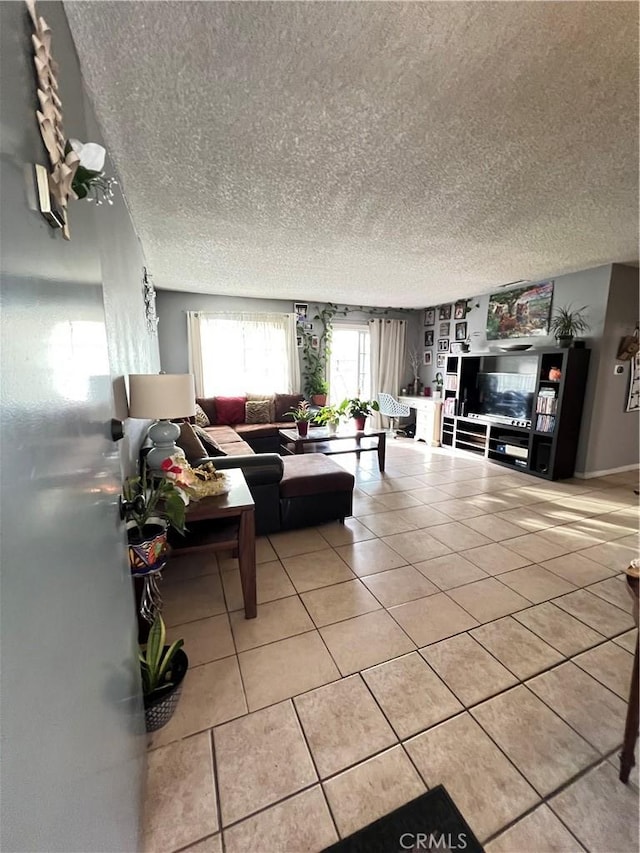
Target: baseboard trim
[587,475]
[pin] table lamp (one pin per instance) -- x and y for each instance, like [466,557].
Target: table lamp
[161,396]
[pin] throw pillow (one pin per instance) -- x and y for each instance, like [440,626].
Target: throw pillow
[229,410]
[208,406]
[210,445]
[259,398]
[257,412]
[201,416]
[190,444]
[284,403]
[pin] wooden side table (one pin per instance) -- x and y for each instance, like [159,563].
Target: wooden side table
[224,523]
[627,756]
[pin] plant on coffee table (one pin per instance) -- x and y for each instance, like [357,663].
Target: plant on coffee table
[359,409]
[302,415]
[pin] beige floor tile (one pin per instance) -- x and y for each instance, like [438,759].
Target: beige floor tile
[366,558]
[577,569]
[627,641]
[494,528]
[339,602]
[301,823]
[364,505]
[541,745]
[558,512]
[180,802]
[386,523]
[264,550]
[468,669]
[417,545]
[211,694]
[525,517]
[212,844]
[536,583]
[342,725]
[558,628]
[292,542]
[450,571]
[600,811]
[398,500]
[537,832]
[593,711]
[399,585]
[570,538]
[461,489]
[459,509]
[260,759]
[458,537]
[283,669]
[372,789]
[272,583]
[424,516]
[535,548]
[429,494]
[611,665]
[494,558]
[613,555]
[275,621]
[602,528]
[428,620]
[595,612]
[447,754]
[634,776]
[365,641]
[205,640]
[184,566]
[614,590]
[352,530]
[410,694]
[488,599]
[518,649]
[191,599]
[388,483]
[323,568]
[492,502]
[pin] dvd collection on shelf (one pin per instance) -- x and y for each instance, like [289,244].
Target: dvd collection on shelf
[545,423]
[547,403]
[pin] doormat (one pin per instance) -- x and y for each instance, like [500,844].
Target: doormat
[429,823]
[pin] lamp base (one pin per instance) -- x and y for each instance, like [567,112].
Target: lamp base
[163,434]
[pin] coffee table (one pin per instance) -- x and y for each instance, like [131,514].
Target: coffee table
[346,440]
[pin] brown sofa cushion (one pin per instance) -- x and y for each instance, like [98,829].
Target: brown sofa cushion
[284,403]
[313,474]
[210,445]
[257,412]
[222,434]
[257,430]
[208,406]
[190,443]
[237,448]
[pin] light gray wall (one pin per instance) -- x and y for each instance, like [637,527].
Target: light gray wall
[588,287]
[173,305]
[72,729]
[613,432]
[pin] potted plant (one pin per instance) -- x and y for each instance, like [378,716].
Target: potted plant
[439,383]
[318,388]
[149,505]
[415,362]
[163,669]
[302,415]
[566,324]
[329,416]
[359,410]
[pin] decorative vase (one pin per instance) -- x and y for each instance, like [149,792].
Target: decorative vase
[303,428]
[564,342]
[332,428]
[160,706]
[147,551]
[319,399]
[360,422]
[555,374]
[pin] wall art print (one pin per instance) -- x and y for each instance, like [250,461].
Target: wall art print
[520,313]
[633,401]
[429,316]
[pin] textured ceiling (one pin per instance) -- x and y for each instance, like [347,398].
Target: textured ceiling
[371,153]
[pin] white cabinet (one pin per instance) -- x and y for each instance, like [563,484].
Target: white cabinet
[428,418]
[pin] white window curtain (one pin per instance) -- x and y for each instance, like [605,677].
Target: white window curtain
[388,356]
[239,352]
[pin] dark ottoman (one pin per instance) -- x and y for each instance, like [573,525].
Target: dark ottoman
[314,490]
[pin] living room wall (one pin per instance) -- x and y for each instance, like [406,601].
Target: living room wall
[173,305]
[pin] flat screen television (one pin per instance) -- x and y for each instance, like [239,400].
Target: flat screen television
[508,395]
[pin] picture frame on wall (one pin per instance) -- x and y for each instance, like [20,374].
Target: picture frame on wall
[444,330]
[441,361]
[299,341]
[460,310]
[429,316]
[461,331]
[428,358]
[301,310]
[443,344]
[315,342]
[428,339]
[444,312]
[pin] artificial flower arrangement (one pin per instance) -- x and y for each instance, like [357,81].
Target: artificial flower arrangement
[200,482]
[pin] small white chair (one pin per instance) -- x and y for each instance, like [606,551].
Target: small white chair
[392,409]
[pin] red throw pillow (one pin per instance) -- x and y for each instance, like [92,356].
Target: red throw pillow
[229,410]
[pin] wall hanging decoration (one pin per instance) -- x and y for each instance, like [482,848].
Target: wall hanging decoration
[629,346]
[633,401]
[149,295]
[429,316]
[444,312]
[520,313]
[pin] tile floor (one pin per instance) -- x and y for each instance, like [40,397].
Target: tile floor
[468,626]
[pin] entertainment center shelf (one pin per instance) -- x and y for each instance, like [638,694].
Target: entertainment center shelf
[518,409]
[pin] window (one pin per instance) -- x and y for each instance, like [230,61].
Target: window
[349,371]
[248,352]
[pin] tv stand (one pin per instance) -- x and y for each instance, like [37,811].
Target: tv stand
[545,442]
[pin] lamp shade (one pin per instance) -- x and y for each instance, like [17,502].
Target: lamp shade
[161,395]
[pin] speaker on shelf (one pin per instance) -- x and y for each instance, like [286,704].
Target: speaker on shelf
[543,458]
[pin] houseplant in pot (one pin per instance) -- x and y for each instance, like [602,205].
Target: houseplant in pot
[359,410]
[318,388]
[163,668]
[329,416]
[566,324]
[302,415]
